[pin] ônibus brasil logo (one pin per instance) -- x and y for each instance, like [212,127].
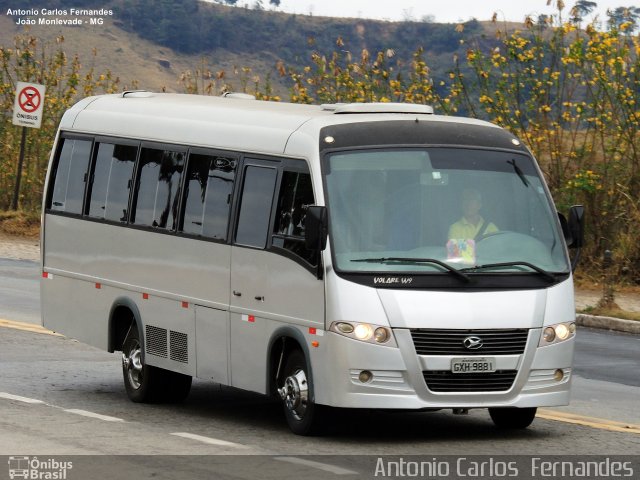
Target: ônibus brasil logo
[35,469]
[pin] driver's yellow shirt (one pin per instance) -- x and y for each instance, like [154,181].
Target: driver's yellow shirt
[466,230]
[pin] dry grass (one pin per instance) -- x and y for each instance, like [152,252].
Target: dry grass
[615,312]
[137,62]
[20,224]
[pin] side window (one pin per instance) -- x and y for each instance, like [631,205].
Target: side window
[158,186]
[255,206]
[208,190]
[71,176]
[296,194]
[112,176]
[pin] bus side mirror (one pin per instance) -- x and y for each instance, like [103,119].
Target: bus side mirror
[316,228]
[576,226]
[573,229]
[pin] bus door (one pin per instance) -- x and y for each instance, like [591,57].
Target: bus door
[273,277]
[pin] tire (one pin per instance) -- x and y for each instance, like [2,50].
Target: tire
[145,383]
[512,418]
[302,414]
[176,386]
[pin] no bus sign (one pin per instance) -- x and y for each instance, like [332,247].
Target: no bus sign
[28,106]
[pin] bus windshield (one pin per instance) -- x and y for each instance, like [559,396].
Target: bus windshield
[436,210]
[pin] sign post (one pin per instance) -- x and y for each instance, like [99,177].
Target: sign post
[27,113]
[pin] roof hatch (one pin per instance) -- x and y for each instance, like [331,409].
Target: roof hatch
[377,107]
[137,94]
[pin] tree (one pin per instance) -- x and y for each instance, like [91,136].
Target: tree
[581,9]
[624,18]
[544,20]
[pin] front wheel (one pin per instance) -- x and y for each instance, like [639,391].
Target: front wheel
[302,414]
[512,418]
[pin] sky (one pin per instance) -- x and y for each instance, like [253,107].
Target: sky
[446,11]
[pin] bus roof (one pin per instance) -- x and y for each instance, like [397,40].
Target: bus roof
[234,122]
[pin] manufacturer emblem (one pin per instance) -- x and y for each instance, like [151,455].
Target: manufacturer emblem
[472,343]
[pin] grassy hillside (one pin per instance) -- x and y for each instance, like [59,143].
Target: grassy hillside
[138,62]
[150,43]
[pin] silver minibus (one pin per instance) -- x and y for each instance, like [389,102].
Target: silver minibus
[349,255]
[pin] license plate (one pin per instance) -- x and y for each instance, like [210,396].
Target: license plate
[473,365]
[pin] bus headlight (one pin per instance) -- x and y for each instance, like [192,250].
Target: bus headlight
[557,333]
[365,332]
[562,332]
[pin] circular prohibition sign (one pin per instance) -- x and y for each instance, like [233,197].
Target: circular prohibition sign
[29,99]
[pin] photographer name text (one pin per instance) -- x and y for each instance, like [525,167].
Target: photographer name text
[538,468]
[59,16]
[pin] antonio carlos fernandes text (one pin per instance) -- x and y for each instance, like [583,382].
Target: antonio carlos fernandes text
[491,468]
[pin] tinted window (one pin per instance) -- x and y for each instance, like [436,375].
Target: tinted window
[257,195]
[112,181]
[158,188]
[296,194]
[70,176]
[209,186]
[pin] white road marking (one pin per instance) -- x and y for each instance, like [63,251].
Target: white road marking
[86,413]
[18,398]
[209,440]
[320,466]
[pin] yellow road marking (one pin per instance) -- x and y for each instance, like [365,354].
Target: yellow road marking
[592,422]
[27,327]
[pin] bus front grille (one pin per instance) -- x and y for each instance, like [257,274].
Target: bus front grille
[445,381]
[434,341]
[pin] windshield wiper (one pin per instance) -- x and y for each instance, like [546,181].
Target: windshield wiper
[448,268]
[539,270]
[518,172]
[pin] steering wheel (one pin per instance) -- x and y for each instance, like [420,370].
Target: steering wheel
[493,234]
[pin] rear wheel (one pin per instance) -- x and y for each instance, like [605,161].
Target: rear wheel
[302,414]
[512,418]
[145,383]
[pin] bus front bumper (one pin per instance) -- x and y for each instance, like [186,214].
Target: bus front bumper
[355,374]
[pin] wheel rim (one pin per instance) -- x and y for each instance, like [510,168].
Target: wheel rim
[296,394]
[132,364]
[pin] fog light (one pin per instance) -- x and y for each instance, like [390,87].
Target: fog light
[558,375]
[363,332]
[562,331]
[381,335]
[549,334]
[365,376]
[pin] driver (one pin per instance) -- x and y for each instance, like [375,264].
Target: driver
[472,225]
